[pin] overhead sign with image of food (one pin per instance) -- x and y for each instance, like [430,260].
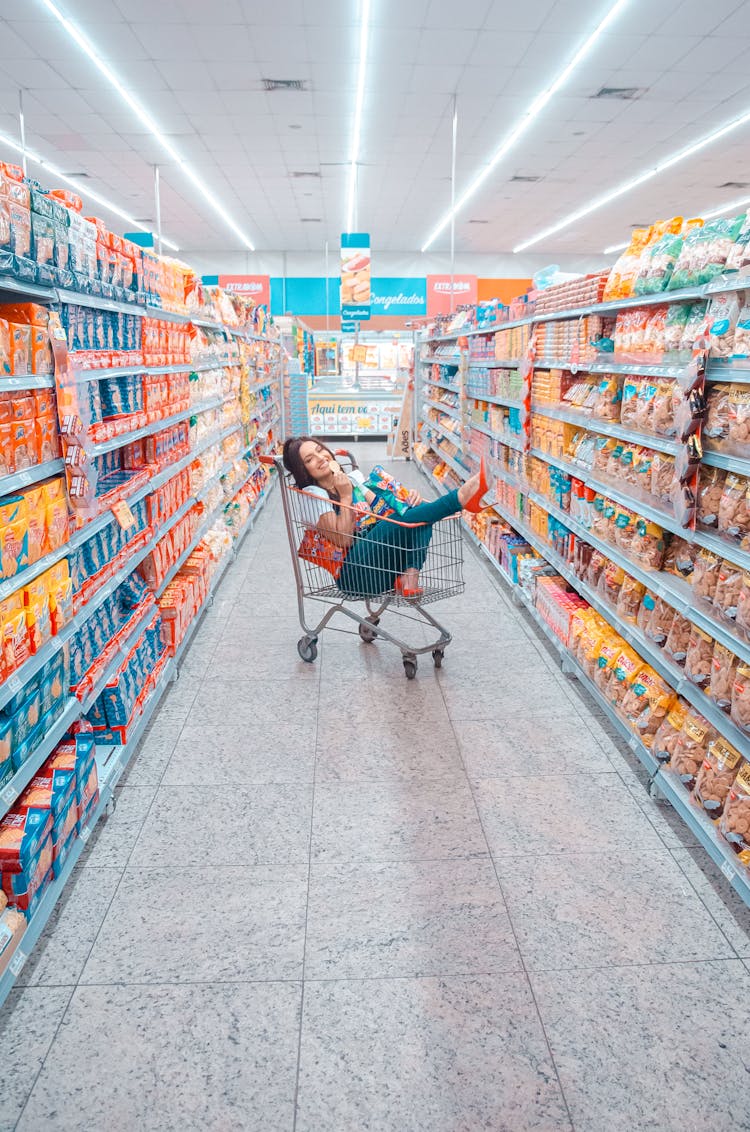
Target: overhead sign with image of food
[355,275]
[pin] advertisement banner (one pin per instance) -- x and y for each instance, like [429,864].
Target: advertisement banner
[355,275]
[439,293]
[257,287]
[400,297]
[333,414]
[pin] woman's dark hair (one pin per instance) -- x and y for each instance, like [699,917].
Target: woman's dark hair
[293,461]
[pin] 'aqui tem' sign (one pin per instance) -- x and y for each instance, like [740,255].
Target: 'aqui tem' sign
[355,275]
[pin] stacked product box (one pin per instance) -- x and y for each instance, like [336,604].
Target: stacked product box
[124,696]
[31,712]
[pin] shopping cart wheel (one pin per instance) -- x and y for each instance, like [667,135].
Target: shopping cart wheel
[410,666]
[437,656]
[367,634]
[307,647]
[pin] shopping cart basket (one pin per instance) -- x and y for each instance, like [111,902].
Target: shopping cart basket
[317,563]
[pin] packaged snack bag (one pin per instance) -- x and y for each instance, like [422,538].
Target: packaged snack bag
[21,837]
[735,821]
[678,639]
[716,424]
[629,600]
[691,747]
[699,658]
[648,701]
[680,558]
[743,602]
[662,476]
[645,610]
[705,577]
[668,733]
[610,582]
[741,334]
[710,489]
[728,587]
[607,654]
[14,535]
[626,668]
[716,776]
[723,312]
[648,545]
[724,665]
[20,348]
[740,708]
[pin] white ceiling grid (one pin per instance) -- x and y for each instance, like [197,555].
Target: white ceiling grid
[198,70]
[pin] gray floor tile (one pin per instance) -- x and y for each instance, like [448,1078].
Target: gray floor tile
[559,813]
[417,918]
[395,822]
[606,909]
[242,825]
[396,746]
[727,909]
[482,695]
[529,744]
[113,839]
[642,1048]
[235,659]
[61,953]
[449,1055]
[272,752]
[28,1023]
[203,925]
[218,1056]
[245,703]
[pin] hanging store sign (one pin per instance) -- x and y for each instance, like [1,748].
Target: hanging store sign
[398,296]
[355,275]
[256,287]
[439,293]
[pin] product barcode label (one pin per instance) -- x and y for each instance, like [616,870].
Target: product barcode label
[14,683]
[17,963]
[729,871]
[85,833]
[8,796]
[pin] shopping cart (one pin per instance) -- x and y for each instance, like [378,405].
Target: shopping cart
[317,564]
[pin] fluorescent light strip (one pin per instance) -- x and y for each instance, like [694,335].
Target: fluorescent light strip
[528,117]
[600,202]
[84,190]
[145,118]
[708,214]
[363,34]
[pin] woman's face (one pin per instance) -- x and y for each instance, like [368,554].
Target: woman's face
[316,459]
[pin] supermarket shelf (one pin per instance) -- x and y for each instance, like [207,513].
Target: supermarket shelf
[442,385]
[156,426]
[677,592]
[446,432]
[134,631]
[441,360]
[24,775]
[730,463]
[506,438]
[485,551]
[495,363]
[666,783]
[13,286]
[10,484]
[82,375]
[606,428]
[98,302]
[491,399]
[666,369]
[207,323]
[27,381]
[449,410]
[459,469]
[737,371]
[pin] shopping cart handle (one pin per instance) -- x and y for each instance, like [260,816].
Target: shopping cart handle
[349,455]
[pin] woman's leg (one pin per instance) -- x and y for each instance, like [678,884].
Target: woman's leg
[434,510]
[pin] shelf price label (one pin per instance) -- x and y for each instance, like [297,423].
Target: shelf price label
[123,514]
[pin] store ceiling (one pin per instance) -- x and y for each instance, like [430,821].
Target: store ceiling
[277,160]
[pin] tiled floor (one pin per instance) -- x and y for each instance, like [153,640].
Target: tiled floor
[333,900]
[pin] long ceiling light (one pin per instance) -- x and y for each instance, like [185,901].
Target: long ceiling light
[525,121]
[83,190]
[145,118]
[706,214]
[626,186]
[356,135]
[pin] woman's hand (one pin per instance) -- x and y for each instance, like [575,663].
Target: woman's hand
[413,498]
[341,484]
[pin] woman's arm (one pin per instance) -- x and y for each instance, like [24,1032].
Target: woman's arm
[340,528]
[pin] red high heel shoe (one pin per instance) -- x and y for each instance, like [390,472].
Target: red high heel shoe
[474,504]
[407,591]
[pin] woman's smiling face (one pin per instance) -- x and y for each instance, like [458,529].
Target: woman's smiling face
[316,459]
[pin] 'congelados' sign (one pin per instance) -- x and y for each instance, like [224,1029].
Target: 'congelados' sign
[398,297]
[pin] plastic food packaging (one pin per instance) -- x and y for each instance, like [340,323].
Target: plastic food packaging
[680,558]
[735,821]
[705,576]
[724,665]
[728,588]
[648,701]
[723,312]
[629,600]
[710,489]
[678,638]
[667,735]
[691,747]
[743,602]
[699,657]
[740,708]
[716,776]
[733,517]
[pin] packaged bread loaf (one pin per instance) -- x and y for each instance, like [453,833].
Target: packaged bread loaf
[668,733]
[740,707]
[735,821]
[710,488]
[728,587]
[733,518]
[699,657]
[716,776]
[724,665]
[705,576]
[629,599]
[678,638]
[648,701]
[690,749]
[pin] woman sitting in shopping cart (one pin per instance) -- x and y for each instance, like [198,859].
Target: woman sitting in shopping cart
[385,555]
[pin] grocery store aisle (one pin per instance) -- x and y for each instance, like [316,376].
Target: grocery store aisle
[332,900]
